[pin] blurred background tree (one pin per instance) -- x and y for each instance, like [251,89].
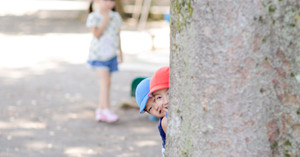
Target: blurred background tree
[142,10]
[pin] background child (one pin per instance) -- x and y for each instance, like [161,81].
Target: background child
[159,90]
[105,26]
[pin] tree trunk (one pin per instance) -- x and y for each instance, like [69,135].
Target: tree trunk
[234,78]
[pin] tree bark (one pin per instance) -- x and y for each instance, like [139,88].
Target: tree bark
[234,78]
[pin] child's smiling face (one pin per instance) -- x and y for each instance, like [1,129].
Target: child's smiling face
[154,109]
[161,98]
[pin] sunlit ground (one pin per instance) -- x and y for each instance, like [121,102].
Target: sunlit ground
[40,52]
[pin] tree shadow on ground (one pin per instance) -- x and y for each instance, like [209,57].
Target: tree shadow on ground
[51,113]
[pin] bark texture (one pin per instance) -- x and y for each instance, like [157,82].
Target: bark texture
[234,78]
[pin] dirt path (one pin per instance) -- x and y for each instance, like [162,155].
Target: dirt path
[52,115]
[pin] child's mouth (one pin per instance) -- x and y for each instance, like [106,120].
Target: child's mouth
[166,109]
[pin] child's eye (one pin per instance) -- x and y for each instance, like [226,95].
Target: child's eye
[149,109]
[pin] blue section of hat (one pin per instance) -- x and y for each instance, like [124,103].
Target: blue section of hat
[141,93]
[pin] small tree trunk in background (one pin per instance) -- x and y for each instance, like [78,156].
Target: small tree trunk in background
[235,78]
[120,9]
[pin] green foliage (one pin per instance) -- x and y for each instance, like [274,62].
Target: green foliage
[274,145]
[286,153]
[190,9]
[292,74]
[264,39]
[287,143]
[267,59]
[272,9]
[292,25]
[184,13]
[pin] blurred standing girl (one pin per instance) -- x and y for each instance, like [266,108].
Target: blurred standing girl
[105,26]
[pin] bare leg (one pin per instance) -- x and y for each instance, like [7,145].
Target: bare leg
[104,95]
[103,113]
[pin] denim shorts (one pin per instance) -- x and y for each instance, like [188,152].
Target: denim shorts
[111,65]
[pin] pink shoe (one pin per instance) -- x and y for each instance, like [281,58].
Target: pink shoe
[108,116]
[98,114]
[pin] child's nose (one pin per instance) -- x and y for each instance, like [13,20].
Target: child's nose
[157,107]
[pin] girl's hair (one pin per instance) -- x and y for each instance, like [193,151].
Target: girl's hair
[91,7]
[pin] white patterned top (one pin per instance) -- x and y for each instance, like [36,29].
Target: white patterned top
[105,47]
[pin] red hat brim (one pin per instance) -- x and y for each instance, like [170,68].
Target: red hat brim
[159,87]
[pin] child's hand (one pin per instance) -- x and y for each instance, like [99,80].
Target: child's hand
[120,57]
[106,16]
[164,123]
